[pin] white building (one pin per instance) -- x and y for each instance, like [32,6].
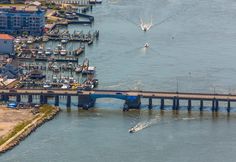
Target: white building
[7,44]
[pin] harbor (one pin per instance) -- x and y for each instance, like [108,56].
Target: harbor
[188,75]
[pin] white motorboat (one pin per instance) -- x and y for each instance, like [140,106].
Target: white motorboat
[146,45]
[63,52]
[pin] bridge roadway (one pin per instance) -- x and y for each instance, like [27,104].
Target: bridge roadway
[114,93]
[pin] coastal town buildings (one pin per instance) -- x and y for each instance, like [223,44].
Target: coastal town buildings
[22,20]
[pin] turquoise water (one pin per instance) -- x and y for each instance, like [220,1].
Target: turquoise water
[192,47]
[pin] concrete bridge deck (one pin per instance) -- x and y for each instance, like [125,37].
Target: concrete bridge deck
[132,98]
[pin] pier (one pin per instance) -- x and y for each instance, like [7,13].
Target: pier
[132,99]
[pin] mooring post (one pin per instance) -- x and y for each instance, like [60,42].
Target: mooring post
[201,105]
[18,98]
[228,107]
[150,103]
[68,103]
[189,105]
[162,104]
[30,98]
[56,101]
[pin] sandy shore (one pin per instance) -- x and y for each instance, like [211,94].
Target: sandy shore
[15,124]
[9,118]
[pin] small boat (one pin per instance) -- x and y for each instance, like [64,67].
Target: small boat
[63,52]
[48,52]
[65,86]
[78,69]
[55,52]
[90,42]
[59,46]
[64,41]
[78,51]
[70,66]
[146,45]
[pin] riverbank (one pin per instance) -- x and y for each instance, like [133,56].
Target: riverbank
[18,124]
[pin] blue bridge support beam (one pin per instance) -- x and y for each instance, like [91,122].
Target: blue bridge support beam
[30,98]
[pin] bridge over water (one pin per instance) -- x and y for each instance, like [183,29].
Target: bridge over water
[132,99]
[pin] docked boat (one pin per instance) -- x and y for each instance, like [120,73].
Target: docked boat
[78,51]
[64,41]
[63,52]
[89,70]
[48,52]
[65,86]
[78,69]
[55,52]
[70,66]
[90,42]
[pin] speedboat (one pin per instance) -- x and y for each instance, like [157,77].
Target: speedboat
[146,45]
[132,130]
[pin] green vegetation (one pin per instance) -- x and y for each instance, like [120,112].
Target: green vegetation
[46,110]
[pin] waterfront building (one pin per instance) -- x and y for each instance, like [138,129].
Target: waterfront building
[22,20]
[6,44]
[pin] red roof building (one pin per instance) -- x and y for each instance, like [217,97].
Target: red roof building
[6,37]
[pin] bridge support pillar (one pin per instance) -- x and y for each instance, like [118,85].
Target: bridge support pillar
[228,107]
[18,98]
[132,102]
[150,103]
[41,99]
[189,105]
[217,105]
[30,98]
[162,104]
[86,101]
[68,102]
[5,98]
[174,103]
[213,105]
[45,99]
[201,105]
[56,101]
[177,104]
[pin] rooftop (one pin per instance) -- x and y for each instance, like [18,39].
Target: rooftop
[28,8]
[6,37]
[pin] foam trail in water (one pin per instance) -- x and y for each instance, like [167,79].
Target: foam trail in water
[144,124]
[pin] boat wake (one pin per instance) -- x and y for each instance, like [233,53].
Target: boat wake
[144,124]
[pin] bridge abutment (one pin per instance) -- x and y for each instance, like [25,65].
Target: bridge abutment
[86,101]
[132,102]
